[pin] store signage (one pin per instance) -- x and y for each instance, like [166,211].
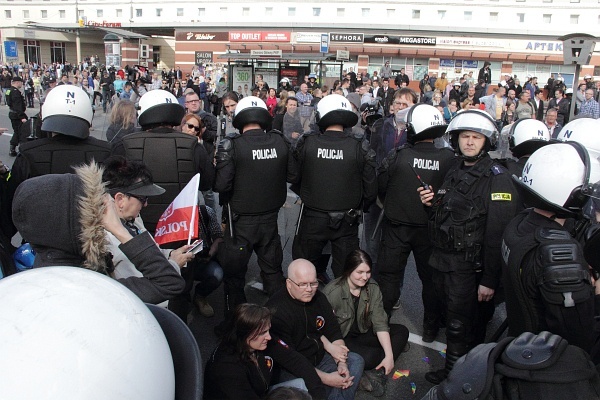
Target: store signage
[248,36]
[471,42]
[201,36]
[104,24]
[342,55]
[544,46]
[381,39]
[346,37]
[203,57]
[308,37]
[427,41]
[266,53]
[10,49]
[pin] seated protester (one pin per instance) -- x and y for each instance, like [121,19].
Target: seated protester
[242,365]
[302,317]
[70,231]
[130,184]
[358,304]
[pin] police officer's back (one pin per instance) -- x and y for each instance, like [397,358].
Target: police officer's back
[335,171]
[67,115]
[251,175]
[547,281]
[173,157]
[405,224]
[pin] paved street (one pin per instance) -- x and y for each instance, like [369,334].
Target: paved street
[419,358]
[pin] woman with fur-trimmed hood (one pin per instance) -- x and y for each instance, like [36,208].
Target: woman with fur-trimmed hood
[64,218]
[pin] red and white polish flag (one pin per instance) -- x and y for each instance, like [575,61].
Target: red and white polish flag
[180,219]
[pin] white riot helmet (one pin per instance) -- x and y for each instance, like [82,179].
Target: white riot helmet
[249,110]
[335,109]
[502,84]
[556,178]
[284,80]
[424,121]
[587,77]
[71,333]
[527,135]
[477,121]
[584,130]
[569,91]
[67,110]
[559,78]
[159,107]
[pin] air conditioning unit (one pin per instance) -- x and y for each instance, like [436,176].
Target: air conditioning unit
[144,51]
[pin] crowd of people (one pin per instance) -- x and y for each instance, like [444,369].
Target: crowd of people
[414,168]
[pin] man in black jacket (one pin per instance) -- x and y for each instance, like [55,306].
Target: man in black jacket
[17,105]
[305,322]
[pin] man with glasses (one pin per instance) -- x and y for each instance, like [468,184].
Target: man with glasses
[589,106]
[304,321]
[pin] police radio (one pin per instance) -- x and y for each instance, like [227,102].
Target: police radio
[423,184]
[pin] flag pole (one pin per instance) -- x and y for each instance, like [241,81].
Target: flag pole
[194,209]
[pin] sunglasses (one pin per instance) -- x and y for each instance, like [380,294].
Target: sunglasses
[194,127]
[142,199]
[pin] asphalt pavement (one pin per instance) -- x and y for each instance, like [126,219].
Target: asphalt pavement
[408,383]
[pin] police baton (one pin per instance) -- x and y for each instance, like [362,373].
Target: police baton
[299,219]
[230,217]
[378,224]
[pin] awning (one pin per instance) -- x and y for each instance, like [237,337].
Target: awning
[121,32]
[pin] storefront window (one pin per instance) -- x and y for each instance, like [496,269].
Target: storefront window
[32,51]
[57,52]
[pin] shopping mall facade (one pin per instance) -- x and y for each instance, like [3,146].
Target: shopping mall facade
[287,38]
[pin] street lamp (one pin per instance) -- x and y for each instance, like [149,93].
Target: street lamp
[577,50]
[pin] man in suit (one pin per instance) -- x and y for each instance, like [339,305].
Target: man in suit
[387,96]
[538,105]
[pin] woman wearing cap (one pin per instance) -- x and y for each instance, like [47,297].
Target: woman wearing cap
[130,184]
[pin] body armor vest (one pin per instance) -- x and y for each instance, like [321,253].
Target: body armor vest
[402,204]
[559,272]
[332,173]
[457,223]
[259,186]
[170,157]
[58,155]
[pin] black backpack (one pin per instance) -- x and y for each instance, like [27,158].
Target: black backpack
[529,367]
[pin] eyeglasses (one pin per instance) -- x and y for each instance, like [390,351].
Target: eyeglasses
[194,127]
[142,199]
[192,101]
[305,285]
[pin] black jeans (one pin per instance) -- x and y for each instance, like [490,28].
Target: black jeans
[368,346]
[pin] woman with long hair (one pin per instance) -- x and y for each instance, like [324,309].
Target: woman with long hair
[272,101]
[241,367]
[177,90]
[230,101]
[192,125]
[123,121]
[358,304]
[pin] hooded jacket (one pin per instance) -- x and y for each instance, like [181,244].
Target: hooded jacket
[61,217]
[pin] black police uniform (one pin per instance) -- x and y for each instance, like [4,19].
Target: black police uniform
[17,106]
[547,281]
[55,155]
[337,177]
[468,215]
[404,227]
[515,167]
[251,176]
[174,158]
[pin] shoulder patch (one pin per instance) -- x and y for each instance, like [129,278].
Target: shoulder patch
[501,197]
[284,344]
[497,169]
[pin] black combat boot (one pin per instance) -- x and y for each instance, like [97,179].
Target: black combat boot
[13,151]
[456,348]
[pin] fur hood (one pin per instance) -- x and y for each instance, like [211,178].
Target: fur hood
[61,216]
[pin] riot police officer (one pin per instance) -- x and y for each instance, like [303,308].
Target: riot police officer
[468,214]
[404,227]
[335,171]
[526,136]
[17,106]
[68,116]
[173,157]
[547,281]
[251,178]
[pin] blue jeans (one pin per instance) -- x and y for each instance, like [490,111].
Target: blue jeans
[355,366]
